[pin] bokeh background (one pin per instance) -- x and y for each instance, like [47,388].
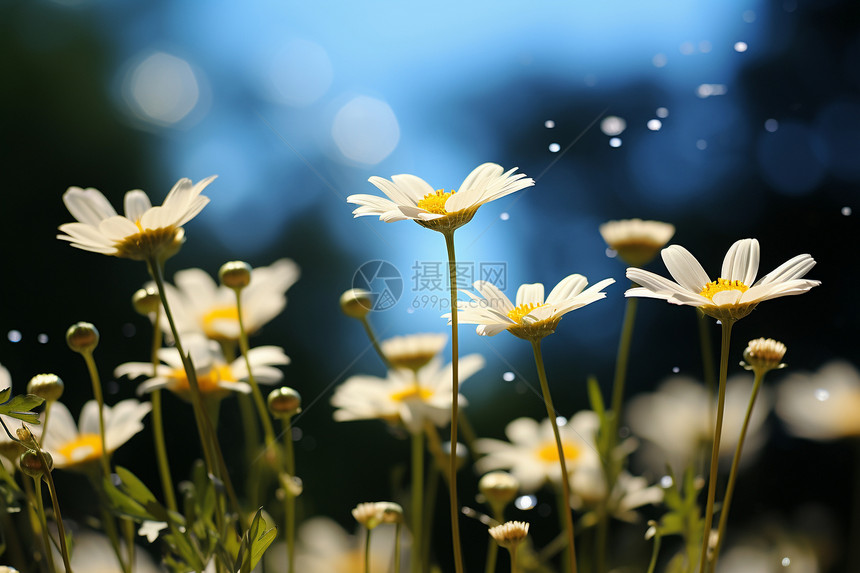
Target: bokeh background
[730,119]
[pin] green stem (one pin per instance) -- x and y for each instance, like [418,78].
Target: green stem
[97,392]
[374,341]
[43,521]
[48,404]
[367,552]
[417,500]
[565,477]
[289,498]
[654,553]
[707,354]
[513,552]
[715,449]
[158,422]
[58,516]
[262,412]
[733,475]
[397,529]
[492,556]
[621,367]
[455,404]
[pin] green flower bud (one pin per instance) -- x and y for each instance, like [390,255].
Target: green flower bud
[82,337]
[284,402]
[46,386]
[235,274]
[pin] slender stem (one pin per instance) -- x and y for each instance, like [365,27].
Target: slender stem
[43,521]
[97,392]
[513,552]
[58,516]
[704,323]
[158,422]
[48,404]
[493,548]
[374,341]
[367,552]
[417,500]
[656,552]
[715,449]
[455,403]
[621,366]
[289,498]
[262,412]
[397,529]
[733,475]
[565,477]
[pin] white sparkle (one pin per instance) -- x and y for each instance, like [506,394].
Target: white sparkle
[554,147]
[785,562]
[613,125]
[659,60]
[615,142]
[42,338]
[14,336]
[666,481]
[549,124]
[504,216]
[741,46]
[561,420]
[701,145]
[846,211]
[654,124]
[662,112]
[525,502]
[676,369]
[508,376]
[611,253]
[821,394]
[771,125]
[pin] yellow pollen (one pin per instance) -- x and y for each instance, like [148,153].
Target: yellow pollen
[216,314]
[93,442]
[207,382]
[549,452]
[721,285]
[519,312]
[412,393]
[435,202]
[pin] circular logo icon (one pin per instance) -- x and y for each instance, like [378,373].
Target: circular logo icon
[382,280]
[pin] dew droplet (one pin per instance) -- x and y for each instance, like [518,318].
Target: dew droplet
[508,376]
[666,481]
[771,125]
[662,112]
[821,394]
[846,211]
[709,90]
[525,502]
[659,60]
[654,124]
[554,147]
[701,145]
[741,46]
[561,420]
[613,125]
[611,253]
[14,336]
[615,142]
[785,561]
[504,216]
[42,338]
[549,124]
[749,16]
[676,369]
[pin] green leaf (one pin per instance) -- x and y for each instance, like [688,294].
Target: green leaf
[19,406]
[134,487]
[596,398]
[254,543]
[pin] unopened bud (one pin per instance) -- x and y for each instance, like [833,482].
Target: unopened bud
[31,463]
[82,337]
[146,301]
[235,274]
[356,303]
[510,534]
[764,354]
[391,512]
[284,402]
[499,488]
[46,386]
[24,434]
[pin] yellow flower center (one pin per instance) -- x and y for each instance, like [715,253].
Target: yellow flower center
[435,202]
[549,452]
[217,314]
[207,382]
[85,448]
[721,285]
[414,392]
[519,312]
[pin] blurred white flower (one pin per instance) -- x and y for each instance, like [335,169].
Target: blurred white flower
[731,296]
[404,396]
[531,455]
[144,232]
[588,488]
[215,377]
[636,241]
[679,420]
[74,445]
[199,304]
[769,548]
[824,405]
[93,553]
[413,351]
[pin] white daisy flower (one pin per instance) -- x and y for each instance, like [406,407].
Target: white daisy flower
[588,489]
[678,421]
[200,304]
[215,377]
[404,396]
[145,232]
[75,445]
[533,317]
[413,351]
[531,455]
[731,296]
[823,405]
[636,241]
[410,197]
[93,553]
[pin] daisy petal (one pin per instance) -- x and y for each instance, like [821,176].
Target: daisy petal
[741,262]
[684,268]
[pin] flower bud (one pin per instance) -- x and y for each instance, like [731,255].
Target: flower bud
[764,354]
[284,402]
[510,534]
[31,463]
[24,434]
[235,274]
[391,512]
[356,303]
[46,386]
[499,488]
[146,300]
[368,514]
[82,337]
